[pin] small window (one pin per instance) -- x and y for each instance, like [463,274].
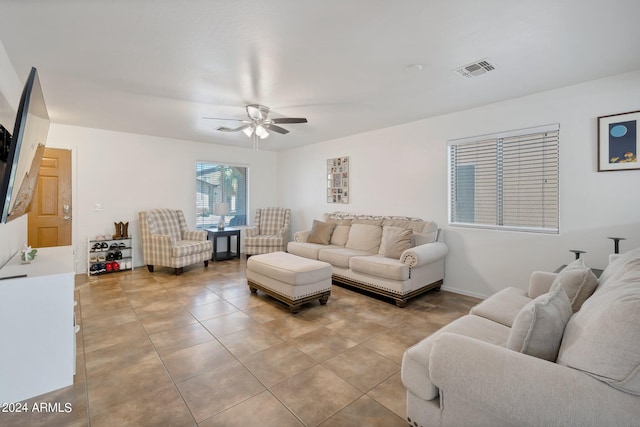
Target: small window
[217,183]
[506,181]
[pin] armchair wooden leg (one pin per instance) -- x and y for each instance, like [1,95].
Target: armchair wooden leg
[206,263]
[179,271]
[150,267]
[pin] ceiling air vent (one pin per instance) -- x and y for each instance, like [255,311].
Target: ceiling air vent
[475,69]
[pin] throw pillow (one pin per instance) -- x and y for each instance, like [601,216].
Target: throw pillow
[395,240]
[578,282]
[423,238]
[340,235]
[602,338]
[628,261]
[321,232]
[538,328]
[428,234]
[364,237]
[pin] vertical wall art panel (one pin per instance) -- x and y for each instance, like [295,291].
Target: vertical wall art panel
[338,180]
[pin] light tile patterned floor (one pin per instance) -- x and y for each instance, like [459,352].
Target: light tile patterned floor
[157,350]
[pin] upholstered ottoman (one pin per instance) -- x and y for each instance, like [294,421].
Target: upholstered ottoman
[289,278]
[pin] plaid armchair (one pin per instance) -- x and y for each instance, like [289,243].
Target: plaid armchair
[166,241]
[270,232]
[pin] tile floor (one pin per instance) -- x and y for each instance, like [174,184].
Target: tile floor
[199,349]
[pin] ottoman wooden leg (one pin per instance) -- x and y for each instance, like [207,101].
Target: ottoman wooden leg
[324,299]
[294,309]
[253,290]
[401,303]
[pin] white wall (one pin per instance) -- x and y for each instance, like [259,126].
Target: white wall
[402,170]
[127,173]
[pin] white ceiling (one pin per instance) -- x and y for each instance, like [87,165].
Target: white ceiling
[156,67]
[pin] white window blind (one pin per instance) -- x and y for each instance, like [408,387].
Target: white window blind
[506,181]
[221,183]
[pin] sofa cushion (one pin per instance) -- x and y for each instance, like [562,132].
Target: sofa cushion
[340,235]
[415,361]
[339,256]
[321,232]
[413,224]
[602,338]
[395,240]
[307,250]
[367,221]
[537,330]
[578,281]
[364,237]
[337,221]
[503,306]
[380,266]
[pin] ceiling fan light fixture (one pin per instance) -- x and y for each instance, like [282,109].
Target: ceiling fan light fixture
[248,131]
[261,132]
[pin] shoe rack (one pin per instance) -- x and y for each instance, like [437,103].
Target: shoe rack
[106,254]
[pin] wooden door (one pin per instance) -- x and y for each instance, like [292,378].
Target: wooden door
[50,215]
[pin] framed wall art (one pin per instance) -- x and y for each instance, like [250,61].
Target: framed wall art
[338,180]
[618,142]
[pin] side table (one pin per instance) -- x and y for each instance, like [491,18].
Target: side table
[213,234]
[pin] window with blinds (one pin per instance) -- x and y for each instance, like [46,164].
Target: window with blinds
[217,183]
[506,181]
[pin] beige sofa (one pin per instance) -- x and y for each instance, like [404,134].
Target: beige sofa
[397,257]
[497,366]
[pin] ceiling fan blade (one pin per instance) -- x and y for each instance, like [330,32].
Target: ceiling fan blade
[226,129]
[232,120]
[289,120]
[277,129]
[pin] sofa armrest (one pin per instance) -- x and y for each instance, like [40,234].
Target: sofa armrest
[301,236]
[424,254]
[540,282]
[194,235]
[251,231]
[523,389]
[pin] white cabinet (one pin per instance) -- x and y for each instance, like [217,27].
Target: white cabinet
[37,324]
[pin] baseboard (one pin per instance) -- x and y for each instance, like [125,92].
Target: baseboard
[464,292]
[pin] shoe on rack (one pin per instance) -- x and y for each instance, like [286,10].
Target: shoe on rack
[122,246]
[93,259]
[113,246]
[104,245]
[101,258]
[116,266]
[96,247]
[118,255]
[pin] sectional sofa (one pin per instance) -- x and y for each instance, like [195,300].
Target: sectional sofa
[393,256]
[558,354]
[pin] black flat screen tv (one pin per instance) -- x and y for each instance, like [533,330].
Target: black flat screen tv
[19,172]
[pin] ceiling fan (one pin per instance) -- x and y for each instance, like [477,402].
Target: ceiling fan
[259,124]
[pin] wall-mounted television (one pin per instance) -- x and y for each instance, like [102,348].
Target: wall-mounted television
[19,171]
